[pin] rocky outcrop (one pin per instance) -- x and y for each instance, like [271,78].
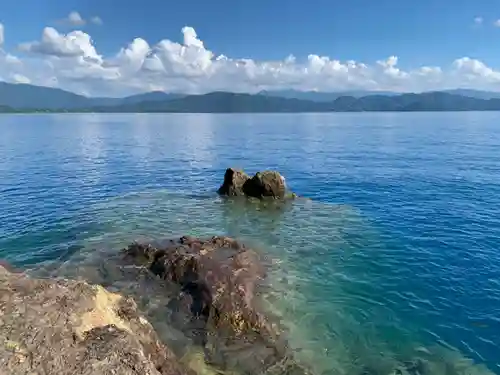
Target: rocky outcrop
[270,184]
[266,184]
[70,327]
[234,180]
[217,304]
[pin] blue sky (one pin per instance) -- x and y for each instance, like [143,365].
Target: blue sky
[429,34]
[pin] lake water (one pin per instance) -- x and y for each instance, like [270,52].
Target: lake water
[396,258]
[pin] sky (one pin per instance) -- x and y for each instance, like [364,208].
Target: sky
[118,47]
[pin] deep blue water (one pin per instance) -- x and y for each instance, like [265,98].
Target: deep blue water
[399,248]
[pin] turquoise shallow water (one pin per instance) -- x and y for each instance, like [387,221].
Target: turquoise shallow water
[396,257]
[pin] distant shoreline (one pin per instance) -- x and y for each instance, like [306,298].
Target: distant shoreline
[229,113]
[227,102]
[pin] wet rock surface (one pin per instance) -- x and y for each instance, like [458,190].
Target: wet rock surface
[70,327]
[217,304]
[234,180]
[266,184]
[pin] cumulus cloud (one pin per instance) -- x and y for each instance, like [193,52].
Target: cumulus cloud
[473,70]
[11,59]
[191,38]
[96,20]
[19,78]
[71,61]
[75,43]
[75,19]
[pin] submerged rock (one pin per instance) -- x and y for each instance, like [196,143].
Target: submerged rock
[264,184]
[415,367]
[6,265]
[70,327]
[217,306]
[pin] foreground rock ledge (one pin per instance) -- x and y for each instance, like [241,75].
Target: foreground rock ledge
[216,306]
[266,184]
[70,327]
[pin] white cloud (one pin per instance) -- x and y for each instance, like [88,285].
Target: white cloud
[70,61]
[2,36]
[11,59]
[191,38]
[478,20]
[19,78]
[474,70]
[132,58]
[75,43]
[75,19]
[496,23]
[96,20]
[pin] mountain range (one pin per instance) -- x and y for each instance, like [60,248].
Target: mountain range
[24,96]
[29,98]
[330,96]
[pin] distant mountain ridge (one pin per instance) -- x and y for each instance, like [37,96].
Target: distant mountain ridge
[330,96]
[478,94]
[317,96]
[224,102]
[24,96]
[29,98]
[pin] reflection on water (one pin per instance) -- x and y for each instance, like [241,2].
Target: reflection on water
[330,282]
[142,136]
[198,145]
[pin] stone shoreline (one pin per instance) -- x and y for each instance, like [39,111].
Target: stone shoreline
[206,289]
[71,327]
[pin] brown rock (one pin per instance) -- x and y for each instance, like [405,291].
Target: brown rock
[217,303]
[261,185]
[7,266]
[265,184]
[70,327]
[233,183]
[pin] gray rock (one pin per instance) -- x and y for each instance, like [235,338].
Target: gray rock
[68,327]
[234,180]
[217,305]
[266,184]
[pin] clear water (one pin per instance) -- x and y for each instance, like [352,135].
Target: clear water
[395,258]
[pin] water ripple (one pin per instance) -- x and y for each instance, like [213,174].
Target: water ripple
[397,256]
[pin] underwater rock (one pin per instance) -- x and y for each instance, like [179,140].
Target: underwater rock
[217,305]
[263,184]
[415,367]
[7,266]
[70,327]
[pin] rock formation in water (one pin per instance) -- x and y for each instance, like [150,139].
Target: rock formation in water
[70,327]
[261,185]
[265,184]
[234,180]
[217,305]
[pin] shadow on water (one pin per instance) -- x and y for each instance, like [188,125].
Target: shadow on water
[326,279]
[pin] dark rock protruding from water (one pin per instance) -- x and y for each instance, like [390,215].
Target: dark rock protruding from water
[266,184]
[234,180]
[70,327]
[217,303]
